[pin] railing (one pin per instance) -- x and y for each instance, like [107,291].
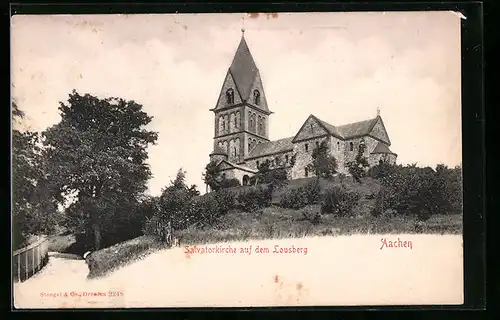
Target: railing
[29,260]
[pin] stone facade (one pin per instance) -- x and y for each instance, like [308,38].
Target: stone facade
[241,135]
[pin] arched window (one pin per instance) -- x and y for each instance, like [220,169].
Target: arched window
[317,144]
[254,122]
[249,146]
[226,123]
[306,172]
[250,121]
[306,146]
[221,125]
[233,122]
[230,96]
[237,148]
[256,97]
[260,124]
[263,126]
[312,128]
[286,158]
[338,145]
[237,120]
[351,146]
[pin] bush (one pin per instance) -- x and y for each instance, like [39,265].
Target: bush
[337,199]
[255,198]
[302,196]
[207,209]
[422,192]
[230,183]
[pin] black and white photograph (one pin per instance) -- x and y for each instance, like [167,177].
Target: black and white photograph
[237,160]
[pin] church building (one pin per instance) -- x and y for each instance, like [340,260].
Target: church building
[241,136]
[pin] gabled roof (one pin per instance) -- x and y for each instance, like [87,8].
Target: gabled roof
[271,147]
[243,70]
[357,129]
[350,130]
[382,148]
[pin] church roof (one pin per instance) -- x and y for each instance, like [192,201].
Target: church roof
[271,147]
[243,70]
[351,130]
[382,148]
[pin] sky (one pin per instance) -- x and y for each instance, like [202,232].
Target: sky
[340,67]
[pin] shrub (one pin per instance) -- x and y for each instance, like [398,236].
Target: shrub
[207,209]
[337,199]
[300,197]
[255,198]
[422,192]
[230,183]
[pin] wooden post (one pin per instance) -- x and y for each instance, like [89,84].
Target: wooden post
[19,267]
[38,258]
[26,264]
[32,261]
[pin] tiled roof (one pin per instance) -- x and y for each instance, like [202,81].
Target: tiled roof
[243,69]
[350,130]
[271,147]
[382,148]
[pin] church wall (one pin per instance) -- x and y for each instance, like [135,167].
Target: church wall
[337,149]
[235,173]
[230,141]
[253,162]
[379,132]
[304,157]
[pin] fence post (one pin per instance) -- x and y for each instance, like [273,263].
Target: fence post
[37,258]
[19,267]
[32,261]
[26,265]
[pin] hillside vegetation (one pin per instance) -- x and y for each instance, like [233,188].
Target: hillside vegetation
[301,208]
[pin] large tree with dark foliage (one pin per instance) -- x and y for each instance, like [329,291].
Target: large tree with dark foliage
[97,156]
[34,209]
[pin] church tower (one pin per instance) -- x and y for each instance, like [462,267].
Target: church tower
[241,113]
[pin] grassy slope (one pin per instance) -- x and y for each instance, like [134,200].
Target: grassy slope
[275,222]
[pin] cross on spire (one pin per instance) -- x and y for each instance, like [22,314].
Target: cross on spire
[243,26]
[378,112]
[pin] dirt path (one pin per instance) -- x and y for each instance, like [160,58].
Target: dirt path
[335,271]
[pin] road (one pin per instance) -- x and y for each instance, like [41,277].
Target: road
[345,270]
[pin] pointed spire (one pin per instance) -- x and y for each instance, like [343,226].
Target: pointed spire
[243,69]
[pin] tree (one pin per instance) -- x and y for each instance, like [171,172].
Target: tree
[97,155]
[324,165]
[357,168]
[34,210]
[212,176]
[271,172]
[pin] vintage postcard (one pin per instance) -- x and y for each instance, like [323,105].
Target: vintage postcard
[237,160]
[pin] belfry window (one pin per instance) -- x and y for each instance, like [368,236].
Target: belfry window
[338,145]
[230,96]
[306,147]
[256,97]
[351,146]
